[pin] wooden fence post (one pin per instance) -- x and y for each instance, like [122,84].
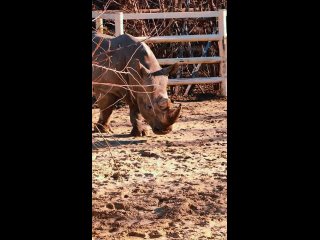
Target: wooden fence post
[223,50]
[118,23]
[99,25]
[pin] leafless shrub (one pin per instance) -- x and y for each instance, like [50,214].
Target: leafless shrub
[157,27]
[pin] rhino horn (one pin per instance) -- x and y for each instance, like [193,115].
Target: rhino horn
[173,114]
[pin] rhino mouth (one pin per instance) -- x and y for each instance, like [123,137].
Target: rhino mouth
[161,131]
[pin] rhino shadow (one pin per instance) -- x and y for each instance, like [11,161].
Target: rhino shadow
[114,143]
[202,117]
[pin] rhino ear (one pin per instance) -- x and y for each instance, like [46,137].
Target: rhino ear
[143,71]
[170,70]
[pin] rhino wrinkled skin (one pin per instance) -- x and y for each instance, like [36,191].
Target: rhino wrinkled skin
[127,62]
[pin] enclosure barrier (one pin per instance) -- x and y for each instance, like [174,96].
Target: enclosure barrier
[221,37]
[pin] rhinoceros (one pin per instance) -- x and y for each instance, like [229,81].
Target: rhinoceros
[126,69]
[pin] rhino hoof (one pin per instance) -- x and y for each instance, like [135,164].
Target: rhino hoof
[102,129]
[138,133]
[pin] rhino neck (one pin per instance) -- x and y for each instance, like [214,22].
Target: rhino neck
[146,57]
[150,59]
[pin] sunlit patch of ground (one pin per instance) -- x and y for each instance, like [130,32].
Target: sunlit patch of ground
[163,187]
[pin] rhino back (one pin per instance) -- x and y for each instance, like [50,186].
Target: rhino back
[122,50]
[100,43]
[117,60]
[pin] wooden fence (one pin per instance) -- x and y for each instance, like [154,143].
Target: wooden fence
[221,37]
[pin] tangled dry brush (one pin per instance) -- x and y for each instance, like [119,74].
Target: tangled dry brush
[166,27]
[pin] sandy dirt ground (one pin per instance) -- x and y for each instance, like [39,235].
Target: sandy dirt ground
[162,187]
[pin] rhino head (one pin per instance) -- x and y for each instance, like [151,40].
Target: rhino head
[153,102]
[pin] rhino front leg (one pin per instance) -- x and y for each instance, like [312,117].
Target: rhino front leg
[106,105]
[139,128]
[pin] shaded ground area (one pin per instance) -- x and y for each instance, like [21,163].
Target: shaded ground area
[162,187]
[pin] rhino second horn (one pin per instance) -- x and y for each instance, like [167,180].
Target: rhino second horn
[173,114]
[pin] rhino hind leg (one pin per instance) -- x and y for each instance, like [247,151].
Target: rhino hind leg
[100,128]
[106,107]
[138,128]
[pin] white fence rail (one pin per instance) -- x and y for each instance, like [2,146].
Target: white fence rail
[192,60]
[221,37]
[182,38]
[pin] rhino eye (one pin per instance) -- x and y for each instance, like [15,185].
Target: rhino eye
[148,107]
